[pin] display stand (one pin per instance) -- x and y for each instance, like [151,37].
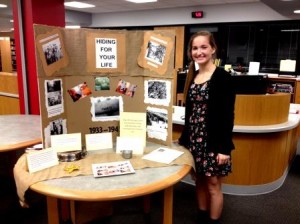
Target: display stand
[87,78]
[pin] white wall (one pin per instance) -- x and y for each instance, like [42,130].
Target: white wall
[78,18]
[242,12]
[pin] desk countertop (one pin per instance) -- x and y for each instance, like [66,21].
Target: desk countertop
[293,121]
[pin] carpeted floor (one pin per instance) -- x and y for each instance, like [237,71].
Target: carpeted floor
[278,207]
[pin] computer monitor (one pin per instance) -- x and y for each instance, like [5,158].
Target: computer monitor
[250,84]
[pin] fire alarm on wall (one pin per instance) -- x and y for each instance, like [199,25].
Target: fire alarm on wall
[197,14]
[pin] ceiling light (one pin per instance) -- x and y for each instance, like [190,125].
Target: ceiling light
[72,26]
[297,11]
[291,30]
[141,1]
[79,5]
[3,6]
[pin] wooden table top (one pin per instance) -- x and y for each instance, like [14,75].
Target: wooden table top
[88,188]
[19,131]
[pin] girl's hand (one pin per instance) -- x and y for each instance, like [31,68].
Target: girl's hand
[222,159]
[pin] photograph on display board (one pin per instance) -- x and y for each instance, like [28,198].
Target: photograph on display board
[157,123]
[155,52]
[52,52]
[126,88]
[54,97]
[102,83]
[106,52]
[157,92]
[106,108]
[79,92]
[55,127]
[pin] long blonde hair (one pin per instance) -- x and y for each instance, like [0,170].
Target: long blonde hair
[191,72]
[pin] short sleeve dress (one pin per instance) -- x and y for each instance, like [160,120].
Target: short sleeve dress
[205,161]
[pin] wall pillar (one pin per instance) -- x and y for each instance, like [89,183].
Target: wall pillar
[26,13]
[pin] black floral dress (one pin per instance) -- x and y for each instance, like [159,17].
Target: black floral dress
[205,161]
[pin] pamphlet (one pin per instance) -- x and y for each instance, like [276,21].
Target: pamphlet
[112,169]
[163,155]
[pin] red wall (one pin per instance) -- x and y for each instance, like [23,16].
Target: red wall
[47,12]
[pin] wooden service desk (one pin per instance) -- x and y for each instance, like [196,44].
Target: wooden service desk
[144,181]
[264,149]
[19,131]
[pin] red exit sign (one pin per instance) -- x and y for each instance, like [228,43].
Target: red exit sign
[197,14]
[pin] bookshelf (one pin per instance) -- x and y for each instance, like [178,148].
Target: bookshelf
[287,85]
[13,54]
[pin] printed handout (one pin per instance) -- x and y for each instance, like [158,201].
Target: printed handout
[163,155]
[112,168]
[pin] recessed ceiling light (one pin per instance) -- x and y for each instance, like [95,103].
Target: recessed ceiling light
[297,11]
[72,26]
[3,6]
[141,1]
[79,5]
[291,30]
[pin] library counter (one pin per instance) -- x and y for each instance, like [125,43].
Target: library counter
[262,155]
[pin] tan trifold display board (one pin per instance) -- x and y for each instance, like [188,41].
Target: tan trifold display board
[88,77]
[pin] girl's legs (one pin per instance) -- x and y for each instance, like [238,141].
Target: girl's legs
[209,197]
[202,199]
[214,187]
[202,193]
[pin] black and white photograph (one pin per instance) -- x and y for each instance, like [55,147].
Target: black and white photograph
[54,97]
[55,127]
[157,123]
[156,52]
[158,92]
[106,108]
[52,51]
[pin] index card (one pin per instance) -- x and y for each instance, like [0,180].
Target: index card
[66,142]
[42,159]
[98,141]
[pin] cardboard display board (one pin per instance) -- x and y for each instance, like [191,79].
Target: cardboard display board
[79,95]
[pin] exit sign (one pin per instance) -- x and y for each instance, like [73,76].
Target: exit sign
[197,14]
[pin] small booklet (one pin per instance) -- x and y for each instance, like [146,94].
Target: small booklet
[163,155]
[112,169]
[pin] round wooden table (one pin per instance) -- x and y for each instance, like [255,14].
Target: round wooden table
[87,188]
[19,131]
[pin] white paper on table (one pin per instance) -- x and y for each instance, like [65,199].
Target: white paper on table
[42,159]
[287,65]
[136,144]
[163,155]
[98,141]
[253,68]
[66,142]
